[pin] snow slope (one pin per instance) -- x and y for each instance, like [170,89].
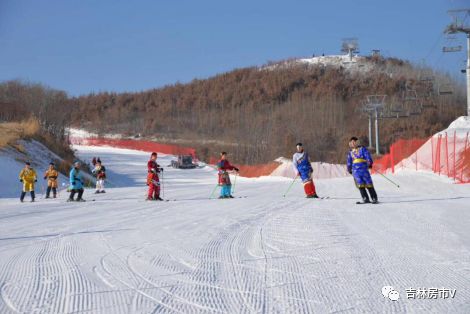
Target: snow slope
[259,254]
[321,170]
[12,161]
[357,64]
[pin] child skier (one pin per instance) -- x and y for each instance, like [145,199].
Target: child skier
[223,166]
[28,178]
[359,162]
[100,172]
[51,176]
[304,169]
[76,183]
[153,181]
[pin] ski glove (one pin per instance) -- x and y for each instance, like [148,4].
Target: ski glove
[370,166]
[45,178]
[350,171]
[21,180]
[36,180]
[236,169]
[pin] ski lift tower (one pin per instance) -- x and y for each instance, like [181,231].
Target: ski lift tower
[375,104]
[458,26]
[350,46]
[368,112]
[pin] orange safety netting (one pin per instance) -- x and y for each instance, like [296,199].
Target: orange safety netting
[446,153]
[252,171]
[145,146]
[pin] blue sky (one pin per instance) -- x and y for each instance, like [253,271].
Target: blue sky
[85,46]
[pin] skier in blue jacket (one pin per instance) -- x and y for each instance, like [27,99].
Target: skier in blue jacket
[304,169]
[359,162]
[76,183]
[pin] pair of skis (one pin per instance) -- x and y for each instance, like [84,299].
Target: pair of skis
[362,203]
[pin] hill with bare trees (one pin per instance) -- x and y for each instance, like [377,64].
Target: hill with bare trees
[259,113]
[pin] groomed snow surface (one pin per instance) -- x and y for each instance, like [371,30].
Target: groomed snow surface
[259,254]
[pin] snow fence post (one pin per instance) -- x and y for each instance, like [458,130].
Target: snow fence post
[438,161]
[432,153]
[447,156]
[455,137]
[461,171]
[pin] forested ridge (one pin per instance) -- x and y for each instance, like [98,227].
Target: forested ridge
[259,113]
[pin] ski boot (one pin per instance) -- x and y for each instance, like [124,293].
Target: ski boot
[313,196]
[365,196]
[373,195]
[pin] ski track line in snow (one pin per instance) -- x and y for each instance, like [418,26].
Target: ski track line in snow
[54,276]
[226,268]
[173,295]
[130,275]
[443,274]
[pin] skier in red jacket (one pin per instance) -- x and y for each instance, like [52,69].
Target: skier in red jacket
[223,166]
[153,180]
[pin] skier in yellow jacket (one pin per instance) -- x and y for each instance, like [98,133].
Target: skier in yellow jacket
[51,175]
[28,178]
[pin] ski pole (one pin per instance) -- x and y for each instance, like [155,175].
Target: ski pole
[234,182]
[290,186]
[387,178]
[215,187]
[163,187]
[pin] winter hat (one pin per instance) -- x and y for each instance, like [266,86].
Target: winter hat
[76,163]
[51,163]
[154,154]
[27,163]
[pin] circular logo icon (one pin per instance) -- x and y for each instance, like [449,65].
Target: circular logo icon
[393,295]
[386,290]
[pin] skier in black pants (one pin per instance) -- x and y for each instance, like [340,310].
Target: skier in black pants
[359,162]
[76,183]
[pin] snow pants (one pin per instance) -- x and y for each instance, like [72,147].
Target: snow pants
[309,186]
[79,191]
[226,190]
[54,191]
[100,185]
[154,191]
[23,194]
